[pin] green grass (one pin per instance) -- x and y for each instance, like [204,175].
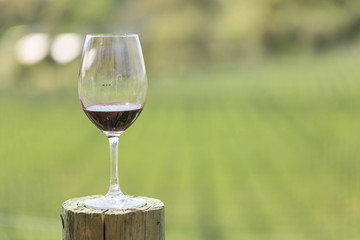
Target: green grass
[257,151]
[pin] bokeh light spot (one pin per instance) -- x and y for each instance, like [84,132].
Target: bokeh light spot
[32,48]
[66,47]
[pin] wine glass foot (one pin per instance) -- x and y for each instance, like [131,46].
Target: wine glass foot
[124,202]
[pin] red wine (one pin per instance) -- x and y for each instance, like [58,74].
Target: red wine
[114,116]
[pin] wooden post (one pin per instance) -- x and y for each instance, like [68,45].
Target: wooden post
[145,223]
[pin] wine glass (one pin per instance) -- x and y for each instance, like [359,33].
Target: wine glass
[112,91]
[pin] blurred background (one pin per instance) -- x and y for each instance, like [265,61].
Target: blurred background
[250,131]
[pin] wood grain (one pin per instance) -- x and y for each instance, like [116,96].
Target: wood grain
[142,223]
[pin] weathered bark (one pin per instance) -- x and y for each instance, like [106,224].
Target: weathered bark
[145,223]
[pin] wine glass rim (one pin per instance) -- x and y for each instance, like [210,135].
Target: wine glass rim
[112,35]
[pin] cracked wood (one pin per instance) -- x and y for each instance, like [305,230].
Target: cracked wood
[143,223]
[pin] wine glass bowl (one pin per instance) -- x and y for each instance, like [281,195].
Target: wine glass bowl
[112,91]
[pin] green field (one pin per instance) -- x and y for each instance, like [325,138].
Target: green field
[267,150]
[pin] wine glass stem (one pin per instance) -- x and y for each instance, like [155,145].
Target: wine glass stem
[114,189]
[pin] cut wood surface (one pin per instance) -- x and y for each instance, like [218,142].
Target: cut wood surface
[145,223]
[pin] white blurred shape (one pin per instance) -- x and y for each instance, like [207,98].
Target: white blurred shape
[66,47]
[32,48]
[90,58]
